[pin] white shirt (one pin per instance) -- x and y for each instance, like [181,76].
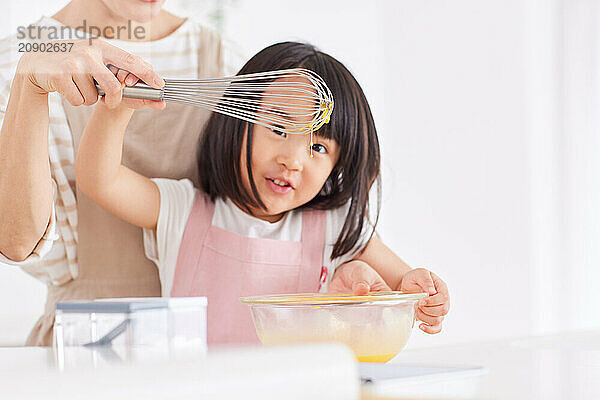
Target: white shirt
[176,200]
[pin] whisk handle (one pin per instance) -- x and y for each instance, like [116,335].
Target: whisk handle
[139,91]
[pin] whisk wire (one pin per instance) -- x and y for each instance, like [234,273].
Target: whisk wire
[293,101]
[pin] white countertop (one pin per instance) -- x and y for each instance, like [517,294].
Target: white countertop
[564,366]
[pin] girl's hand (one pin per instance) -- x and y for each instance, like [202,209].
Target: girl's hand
[357,277]
[432,309]
[126,78]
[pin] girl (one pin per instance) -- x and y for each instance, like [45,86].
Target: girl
[268,218]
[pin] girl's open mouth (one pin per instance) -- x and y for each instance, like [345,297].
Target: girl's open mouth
[279,186]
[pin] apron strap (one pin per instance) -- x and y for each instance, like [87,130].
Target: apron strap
[194,235]
[313,245]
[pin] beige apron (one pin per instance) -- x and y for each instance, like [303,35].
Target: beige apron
[110,252]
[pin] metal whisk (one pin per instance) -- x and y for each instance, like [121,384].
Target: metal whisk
[293,101]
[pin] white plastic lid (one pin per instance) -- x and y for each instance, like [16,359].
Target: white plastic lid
[129,305]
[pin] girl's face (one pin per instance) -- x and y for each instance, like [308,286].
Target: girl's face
[285,175]
[136,10]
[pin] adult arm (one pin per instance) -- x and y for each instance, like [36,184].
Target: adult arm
[26,194]
[26,187]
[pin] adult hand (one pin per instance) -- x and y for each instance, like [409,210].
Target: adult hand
[357,277]
[431,310]
[72,73]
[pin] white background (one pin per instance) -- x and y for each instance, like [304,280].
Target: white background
[488,122]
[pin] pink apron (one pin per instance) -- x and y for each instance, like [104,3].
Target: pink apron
[224,266]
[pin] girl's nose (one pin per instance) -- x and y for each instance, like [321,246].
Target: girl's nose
[292,156]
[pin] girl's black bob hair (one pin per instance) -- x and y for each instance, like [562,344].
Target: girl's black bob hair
[351,126]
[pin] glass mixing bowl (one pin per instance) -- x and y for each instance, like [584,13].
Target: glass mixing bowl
[375,326]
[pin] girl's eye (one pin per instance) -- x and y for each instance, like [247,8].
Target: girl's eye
[319,148]
[279,131]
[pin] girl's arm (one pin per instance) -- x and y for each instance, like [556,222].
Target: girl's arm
[377,268]
[101,176]
[383,260]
